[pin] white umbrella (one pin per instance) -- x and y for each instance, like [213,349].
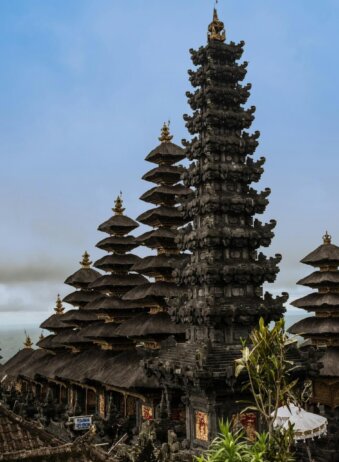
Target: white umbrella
[305,424]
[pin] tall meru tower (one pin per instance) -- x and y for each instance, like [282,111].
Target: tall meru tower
[224,277]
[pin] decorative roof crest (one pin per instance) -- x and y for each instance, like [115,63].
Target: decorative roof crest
[59,309]
[41,336]
[28,342]
[118,205]
[216,30]
[327,238]
[165,136]
[85,263]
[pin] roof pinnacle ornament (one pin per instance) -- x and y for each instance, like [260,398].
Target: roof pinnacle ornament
[85,263]
[28,342]
[216,30]
[327,238]
[41,336]
[165,136]
[59,309]
[118,205]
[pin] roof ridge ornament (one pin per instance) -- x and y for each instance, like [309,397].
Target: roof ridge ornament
[166,136]
[118,205]
[85,263]
[28,342]
[59,309]
[327,238]
[216,29]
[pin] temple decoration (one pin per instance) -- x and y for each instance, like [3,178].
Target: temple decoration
[216,30]
[201,426]
[28,342]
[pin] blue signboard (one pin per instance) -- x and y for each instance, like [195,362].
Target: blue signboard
[82,422]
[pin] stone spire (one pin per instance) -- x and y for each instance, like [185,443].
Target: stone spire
[216,30]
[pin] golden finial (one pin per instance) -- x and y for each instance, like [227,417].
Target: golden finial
[85,263]
[41,336]
[118,205]
[28,342]
[165,136]
[327,238]
[216,30]
[59,309]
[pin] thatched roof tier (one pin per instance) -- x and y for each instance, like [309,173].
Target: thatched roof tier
[78,317]
[117,262]
[144,325]
[118,224]
[97,329]
[164,174]
[152,292]
[50,343]
[54,323]
[117,283]
[165,194]
[160,264]
[325,254]
[166,154]
[162,216]
[108,303]
[321,279]
[82,278]
[82,366]
[316,326]
[159,238]
[120,244]
[125,371]
[15,365]
[326,301]
[75,337]
[80,297]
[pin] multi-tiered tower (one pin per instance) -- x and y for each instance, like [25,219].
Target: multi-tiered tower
[225,274]
[322,332]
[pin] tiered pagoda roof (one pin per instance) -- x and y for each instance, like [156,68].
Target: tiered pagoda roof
[108,304]
[165,217]
[322,329]
[225,272]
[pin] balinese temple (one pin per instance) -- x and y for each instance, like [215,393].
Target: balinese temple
[165,218]
[150,343]
[224,276]
[321,331]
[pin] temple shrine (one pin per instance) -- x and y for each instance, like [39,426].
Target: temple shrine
[144,358]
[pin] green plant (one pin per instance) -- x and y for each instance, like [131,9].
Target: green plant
[269,379]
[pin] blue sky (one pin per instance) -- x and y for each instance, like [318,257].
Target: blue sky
[84,89]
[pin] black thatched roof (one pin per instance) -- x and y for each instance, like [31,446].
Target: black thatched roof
[118,244]
[54,323]
[145,324]
[124,371]
[166,153]
[107,303]
[117,262]
[159,238]
[80,297]
[164,174]
[23,360]
[118,224]
[318,301]
[152,291]
[82,278]
[314,326]
[75,317]
[321,278]
[118,282]
[49,343]
[162,216]
[100,330]
[82,366]
[324,254]
[160,264]
[165,194]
